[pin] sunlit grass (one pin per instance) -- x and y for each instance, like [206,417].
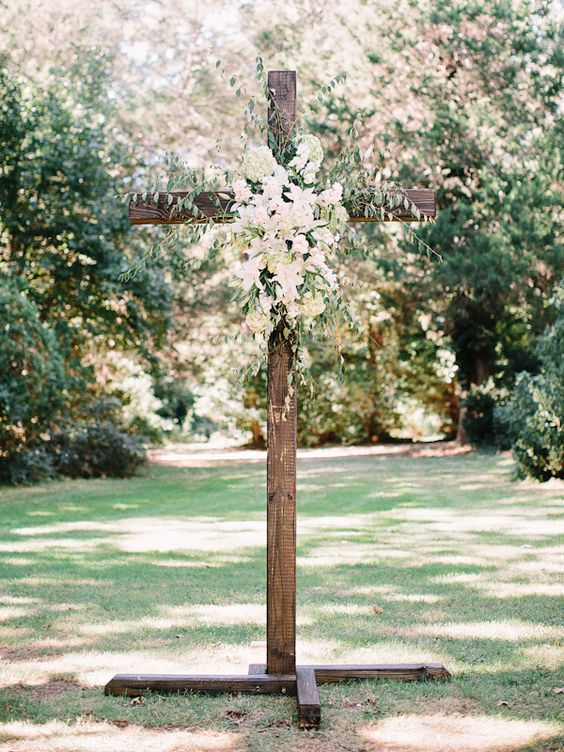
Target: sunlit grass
[400,559]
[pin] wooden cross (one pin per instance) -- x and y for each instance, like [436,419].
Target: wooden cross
[280,674]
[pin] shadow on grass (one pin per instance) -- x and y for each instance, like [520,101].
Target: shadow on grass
[400,560]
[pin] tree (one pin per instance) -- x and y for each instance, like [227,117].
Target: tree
[63,232]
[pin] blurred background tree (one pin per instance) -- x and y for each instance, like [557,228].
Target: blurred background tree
[462,97]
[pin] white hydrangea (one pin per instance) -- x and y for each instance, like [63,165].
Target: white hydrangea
[258,163]
[309,156]
[312,304]
[331,196]
[258,321]
[314,146]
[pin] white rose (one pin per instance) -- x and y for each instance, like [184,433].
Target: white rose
[258,163]
[242,191]
[257,321]
[312,305]
[331,195]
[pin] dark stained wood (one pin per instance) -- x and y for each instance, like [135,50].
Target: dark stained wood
[281,517]
[309,707]
[398,672]
[281,447]
[137,684]
[424,199]
[206,206]
[282,106]
[216,207]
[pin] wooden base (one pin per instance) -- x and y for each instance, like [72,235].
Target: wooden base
[302,684]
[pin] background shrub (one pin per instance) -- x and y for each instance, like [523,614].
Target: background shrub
[534,416]
[97,450]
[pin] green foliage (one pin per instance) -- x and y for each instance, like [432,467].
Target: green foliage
[480,421]
[34,387]
[97,449]
[60,161]
[61,229]
[534,416]
[493,143]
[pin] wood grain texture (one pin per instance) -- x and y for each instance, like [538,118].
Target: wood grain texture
[164,213]
[281,447]
[281,518]
[137,684]
[282,105]
[398,672]
[208,206]
[309,707]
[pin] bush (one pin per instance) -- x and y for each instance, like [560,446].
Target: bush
[97,450]
[534,416]
[34,387]
[482,421]
[27,465]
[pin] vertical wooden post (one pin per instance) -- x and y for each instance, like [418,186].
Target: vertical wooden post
[281,461]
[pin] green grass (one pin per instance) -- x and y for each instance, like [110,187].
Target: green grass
[165,572]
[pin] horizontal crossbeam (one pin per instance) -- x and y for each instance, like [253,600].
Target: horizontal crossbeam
[263,683]
[134,685]
[162,208]
[398,672]
[302,684]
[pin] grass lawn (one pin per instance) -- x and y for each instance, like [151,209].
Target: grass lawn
[400,559]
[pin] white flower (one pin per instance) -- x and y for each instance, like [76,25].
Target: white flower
[258,163]
[314,147]
[288,277]
[309,154]
[311,304]
[300,244]
[242,191]
[265,303]
[339,218]
[249,274]
[331,196]
[257,321]
[310,173]
[293,310]
[275,259]
[324,235]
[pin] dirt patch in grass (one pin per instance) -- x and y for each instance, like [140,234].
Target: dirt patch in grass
[48,690]
[13,655]
[448,706]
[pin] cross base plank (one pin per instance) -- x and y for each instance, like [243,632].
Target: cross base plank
[302,684]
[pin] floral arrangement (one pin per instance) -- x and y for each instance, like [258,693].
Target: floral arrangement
[286,227]
[284,221]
